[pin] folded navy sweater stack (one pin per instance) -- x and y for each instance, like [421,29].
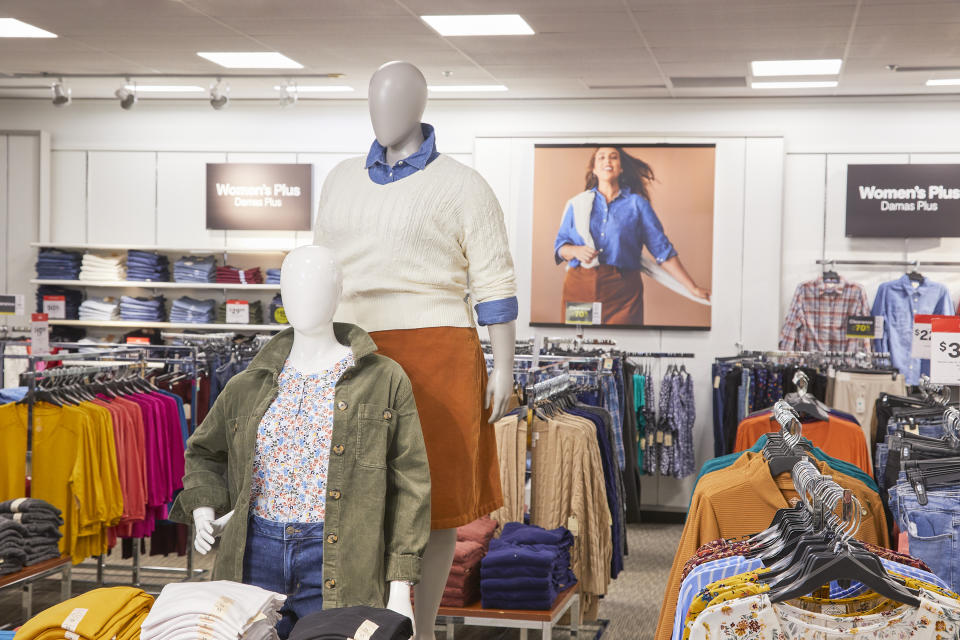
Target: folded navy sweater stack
[527,567]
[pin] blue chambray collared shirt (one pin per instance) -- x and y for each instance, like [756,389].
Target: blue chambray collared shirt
[620,231]
[898,301]
[380,171]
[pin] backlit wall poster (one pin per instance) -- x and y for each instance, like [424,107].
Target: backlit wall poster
[623,235]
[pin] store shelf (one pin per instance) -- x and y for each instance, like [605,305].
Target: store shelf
[145,247]
[135,324]
[142,284]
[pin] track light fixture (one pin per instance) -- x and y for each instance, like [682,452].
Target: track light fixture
[61,94]
[127,94]
[219,96]
[288,94]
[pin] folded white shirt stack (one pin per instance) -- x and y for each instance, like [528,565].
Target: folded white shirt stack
[94,268]
[220,609]
[100,309]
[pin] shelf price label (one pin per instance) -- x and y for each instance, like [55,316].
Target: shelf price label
[867,327]
[39,334]
[920,348]
[238,312]
[945,350]
[11,304]
[55,307]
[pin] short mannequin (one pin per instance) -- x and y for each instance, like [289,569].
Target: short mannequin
[397,98]
[310,284]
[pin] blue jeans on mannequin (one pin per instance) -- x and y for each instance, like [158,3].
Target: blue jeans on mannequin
[287,558]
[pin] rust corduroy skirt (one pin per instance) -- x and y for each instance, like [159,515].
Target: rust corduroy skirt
[449,377]
[619,292]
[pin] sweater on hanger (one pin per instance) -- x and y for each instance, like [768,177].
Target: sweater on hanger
[411,249]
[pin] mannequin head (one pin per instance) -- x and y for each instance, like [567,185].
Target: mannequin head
[310,283]
[397,98]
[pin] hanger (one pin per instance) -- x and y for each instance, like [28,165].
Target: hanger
[829,275]
[915,275]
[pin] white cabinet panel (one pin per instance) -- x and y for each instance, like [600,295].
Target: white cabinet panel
[182,200]
[68,198]
[122,197]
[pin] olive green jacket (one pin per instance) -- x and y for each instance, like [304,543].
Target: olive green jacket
[378,483]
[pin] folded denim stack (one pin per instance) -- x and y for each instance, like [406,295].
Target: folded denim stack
[38,522]
[277,315]
[233,275]
[71,297]
[100,309]
[256,312]
[463,583]
[273,276]
[147,309]
[53,264]
[187,309]
[195,269]
[105,268]
[149,266]
[348,623]
[218,609]
[527,568]
[110,613]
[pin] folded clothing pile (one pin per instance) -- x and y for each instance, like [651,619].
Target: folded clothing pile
[54,264]
[38,522]
[195,269]
[104,268]
[273,276]
[146,309]
[348,623]
[13,555]
[187,309]
[463,583]
[146,265]
[255,312]
[233,275]
[526,568]
[111,613]
[99,309]
[277,315]
[71,299]
[218,609]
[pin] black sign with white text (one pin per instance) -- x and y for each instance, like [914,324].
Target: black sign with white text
[259,197]
[903,200]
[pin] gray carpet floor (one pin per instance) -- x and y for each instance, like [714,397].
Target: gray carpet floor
[631,606]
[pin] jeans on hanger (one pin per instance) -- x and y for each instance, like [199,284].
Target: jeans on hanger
[933,529]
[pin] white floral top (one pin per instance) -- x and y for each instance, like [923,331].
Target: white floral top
[756,618]
[293,446]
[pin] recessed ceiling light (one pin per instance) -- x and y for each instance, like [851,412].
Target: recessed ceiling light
[322,88]
[796,67]
[813,84]
[250,59]
[13,28]
[510,24]
[464,88]
[943,82]
[165,88]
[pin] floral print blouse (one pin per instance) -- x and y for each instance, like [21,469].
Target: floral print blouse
[756,618]
[293,446]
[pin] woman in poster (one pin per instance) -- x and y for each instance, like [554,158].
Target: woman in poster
[602,236]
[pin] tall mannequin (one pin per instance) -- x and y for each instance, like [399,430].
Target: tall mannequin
[311,285]
[412,228]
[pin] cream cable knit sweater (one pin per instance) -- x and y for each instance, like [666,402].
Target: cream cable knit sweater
[410,250]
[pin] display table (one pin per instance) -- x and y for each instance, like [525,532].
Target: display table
[522,619]
[28,575]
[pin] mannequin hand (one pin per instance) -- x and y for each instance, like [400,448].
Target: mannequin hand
[399,600]
[503,338]
[207,529]
[581,252]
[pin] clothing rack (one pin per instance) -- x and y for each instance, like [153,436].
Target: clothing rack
[890,263]
[651,354]
[223,336]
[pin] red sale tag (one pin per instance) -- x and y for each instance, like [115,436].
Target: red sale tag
[137,340]
[945,350]
[238,312]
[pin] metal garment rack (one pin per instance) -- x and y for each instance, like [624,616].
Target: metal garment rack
[116,353]
[890,263]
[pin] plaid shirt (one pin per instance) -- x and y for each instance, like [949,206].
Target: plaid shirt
[817,320]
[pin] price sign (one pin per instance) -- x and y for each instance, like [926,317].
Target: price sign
[280,316]
[11,304]
[867,327]
[137,340]
[920,348]
[945,351]
[55,307]
[238,312]
[583,313]
[39,334]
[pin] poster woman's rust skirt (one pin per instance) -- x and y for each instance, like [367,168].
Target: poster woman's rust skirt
[449,377]
[619,291]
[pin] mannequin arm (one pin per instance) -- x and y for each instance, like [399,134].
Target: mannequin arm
[207,529]
[503,338]
[399,599]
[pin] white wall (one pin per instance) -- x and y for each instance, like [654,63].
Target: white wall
[156,153]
